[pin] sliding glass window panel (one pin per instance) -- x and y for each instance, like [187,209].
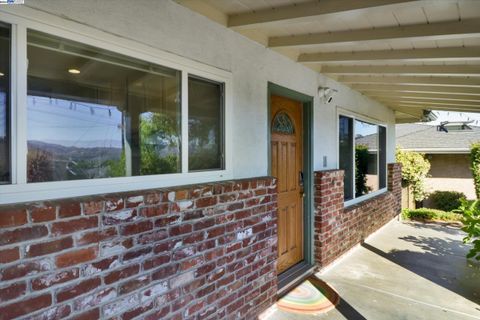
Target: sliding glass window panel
[5,49]
[382,161]
[346,154]
[94,114]
[366,158]
[205,125]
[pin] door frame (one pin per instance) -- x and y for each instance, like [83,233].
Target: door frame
[299,270]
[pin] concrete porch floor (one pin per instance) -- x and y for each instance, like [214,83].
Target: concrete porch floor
[405,271]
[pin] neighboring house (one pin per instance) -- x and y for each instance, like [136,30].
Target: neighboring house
[447,147]
[156,164]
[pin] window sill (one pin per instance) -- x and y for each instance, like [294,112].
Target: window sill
[41,191]
[355,201]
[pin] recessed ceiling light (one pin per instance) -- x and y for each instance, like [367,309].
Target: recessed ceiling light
[1,74]
[74,71]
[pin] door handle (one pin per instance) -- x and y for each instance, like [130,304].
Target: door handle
[301,183]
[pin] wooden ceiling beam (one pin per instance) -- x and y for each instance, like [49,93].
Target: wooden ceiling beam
[421,95]
[422,80]
[429,54]
[415,88]
[306,10]
[444,70]
[432,31]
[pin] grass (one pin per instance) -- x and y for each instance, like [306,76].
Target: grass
[431,214]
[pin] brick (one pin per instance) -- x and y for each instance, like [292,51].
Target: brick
[135,254]
[94,299]
[121,274]
[151,237]
[9,255]
[166,221]
[135,228]
[43,248]
[133,284]
[155,211]
[74,225]
[57,312]
[156,261]
[44,213]
[78,289]
[12,218]
[49,280]
[206,202]
[117,217]
[96,236]
[12,291]
[114,203]
[25,306]
[22,234]
[88,315]
[24,269]
[179,230]
[76,257]
[69,209]
[101,265]
[165,272]
[160,314]
[93,207]
[133,313]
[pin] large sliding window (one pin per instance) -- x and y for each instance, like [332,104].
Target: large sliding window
[362,156]
[5,39]
[97,114]
[95,111]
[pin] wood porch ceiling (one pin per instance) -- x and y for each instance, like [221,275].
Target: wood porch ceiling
[411,55]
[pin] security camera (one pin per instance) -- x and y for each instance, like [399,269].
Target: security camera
[327,94]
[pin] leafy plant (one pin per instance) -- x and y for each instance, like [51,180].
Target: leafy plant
[361,169]
[430,214]
[475,166]
[446,200]
[415,169]
[471,215]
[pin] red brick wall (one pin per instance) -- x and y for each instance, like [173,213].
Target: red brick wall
[337,229]
[197,252]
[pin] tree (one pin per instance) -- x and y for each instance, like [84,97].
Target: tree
[475,166]
[415,169]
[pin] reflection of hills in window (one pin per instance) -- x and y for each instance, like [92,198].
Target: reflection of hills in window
[74,124]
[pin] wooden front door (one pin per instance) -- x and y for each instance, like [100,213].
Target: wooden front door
[287,167]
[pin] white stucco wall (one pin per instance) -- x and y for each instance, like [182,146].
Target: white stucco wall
[168,26]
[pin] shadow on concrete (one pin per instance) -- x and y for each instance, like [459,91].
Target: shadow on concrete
[441,261]
[348,311]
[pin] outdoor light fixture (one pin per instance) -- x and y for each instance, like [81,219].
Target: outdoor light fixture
[74,71]
[1,74]
[326,94]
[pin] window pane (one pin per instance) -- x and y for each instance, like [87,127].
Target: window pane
[382,162]
[366,158]
[4,104]
[205,125]
[346,154]
[96,114]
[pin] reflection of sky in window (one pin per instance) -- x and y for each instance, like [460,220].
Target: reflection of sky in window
[3,114]
[364,129]
[71,123]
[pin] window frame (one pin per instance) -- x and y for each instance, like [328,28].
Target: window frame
[355,116]
[21,191]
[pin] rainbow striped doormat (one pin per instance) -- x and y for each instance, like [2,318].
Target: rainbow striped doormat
[313,296]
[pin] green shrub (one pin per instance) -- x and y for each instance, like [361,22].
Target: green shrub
[446,200]
[430,214]
[475,166]
[415,169]
[471,215]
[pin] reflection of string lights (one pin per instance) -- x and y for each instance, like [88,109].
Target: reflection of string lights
[73,105]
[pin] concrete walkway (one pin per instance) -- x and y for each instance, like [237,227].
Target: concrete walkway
[404,271]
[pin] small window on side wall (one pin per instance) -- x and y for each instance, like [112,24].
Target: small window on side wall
[205,125]
[5,40]
[362,156]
